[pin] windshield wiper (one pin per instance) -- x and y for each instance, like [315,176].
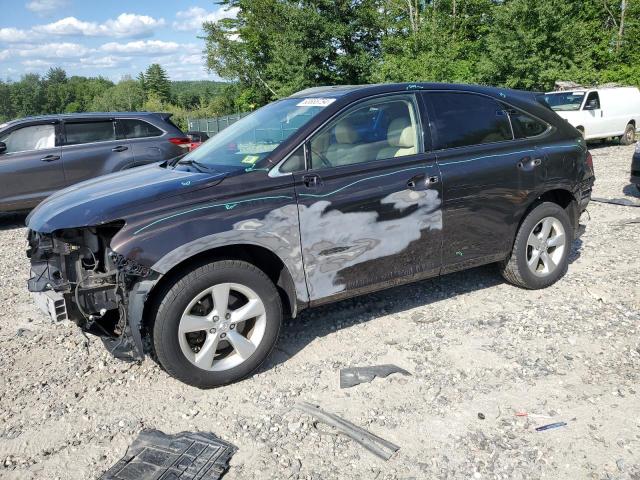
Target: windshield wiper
[200,166]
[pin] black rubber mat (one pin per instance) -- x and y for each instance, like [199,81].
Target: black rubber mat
[185,456]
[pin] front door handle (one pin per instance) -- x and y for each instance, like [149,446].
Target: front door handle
[50,158]
[311,181]
[119,148]
[417,183]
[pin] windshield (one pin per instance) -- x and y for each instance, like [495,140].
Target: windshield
[564,101]
[250,140]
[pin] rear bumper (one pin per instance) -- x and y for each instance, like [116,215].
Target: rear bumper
[585,190]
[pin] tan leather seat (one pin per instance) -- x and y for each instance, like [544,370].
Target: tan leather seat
[401,137]
[343,151]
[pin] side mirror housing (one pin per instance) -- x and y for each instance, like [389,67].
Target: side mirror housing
[3,147]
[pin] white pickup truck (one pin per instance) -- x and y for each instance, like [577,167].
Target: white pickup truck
[600,112]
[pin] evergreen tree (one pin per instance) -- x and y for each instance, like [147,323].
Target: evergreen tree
[155,82]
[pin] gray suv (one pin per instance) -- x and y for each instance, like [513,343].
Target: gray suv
[40,155]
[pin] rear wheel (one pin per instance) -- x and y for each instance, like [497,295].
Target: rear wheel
[540,254]
[217,324]
[629,135]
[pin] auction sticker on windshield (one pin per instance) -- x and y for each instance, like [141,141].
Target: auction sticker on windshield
[316,102]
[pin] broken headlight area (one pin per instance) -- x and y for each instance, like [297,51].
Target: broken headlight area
[75,275]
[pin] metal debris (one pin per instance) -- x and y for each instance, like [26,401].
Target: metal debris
[624,202]
[350,377]
[376,445]
[550,426]
[184,456]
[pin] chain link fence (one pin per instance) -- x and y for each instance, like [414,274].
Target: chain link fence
[211,126]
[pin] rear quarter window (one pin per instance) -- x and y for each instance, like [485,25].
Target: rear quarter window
[132,128]
[525,126]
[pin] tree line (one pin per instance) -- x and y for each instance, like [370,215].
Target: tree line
[273,48]
[55,92]
[276,47]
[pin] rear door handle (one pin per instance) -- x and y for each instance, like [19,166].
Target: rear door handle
[50,158]
[119,148]
[527,164]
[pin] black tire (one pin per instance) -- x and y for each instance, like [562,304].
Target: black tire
[175,300]
[629,136]
[515,270]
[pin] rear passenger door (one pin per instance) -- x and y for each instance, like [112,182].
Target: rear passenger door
[488,176]
[92,148]
[369,203]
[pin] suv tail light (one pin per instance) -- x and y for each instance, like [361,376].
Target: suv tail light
[589,161]
[180,141]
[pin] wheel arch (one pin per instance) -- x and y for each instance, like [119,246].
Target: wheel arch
[560,196]
[263,258]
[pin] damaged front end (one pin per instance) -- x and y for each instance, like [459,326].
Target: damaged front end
[75,275]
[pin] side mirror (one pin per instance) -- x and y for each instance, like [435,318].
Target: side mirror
[3,147]
[592,105]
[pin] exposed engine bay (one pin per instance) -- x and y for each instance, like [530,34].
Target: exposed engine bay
[83,280]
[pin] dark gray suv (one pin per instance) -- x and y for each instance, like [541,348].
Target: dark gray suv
[40,155]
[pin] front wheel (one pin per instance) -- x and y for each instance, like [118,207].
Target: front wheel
[540,254]
[216,324]
[629,135]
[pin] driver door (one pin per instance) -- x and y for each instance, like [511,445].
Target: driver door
[370,200]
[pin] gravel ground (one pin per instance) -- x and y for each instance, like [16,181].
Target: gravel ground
[473,343]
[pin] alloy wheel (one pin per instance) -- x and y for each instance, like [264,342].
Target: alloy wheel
[222,326]
[546,246]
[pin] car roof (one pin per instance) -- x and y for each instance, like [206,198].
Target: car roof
[345,90]
[81,115]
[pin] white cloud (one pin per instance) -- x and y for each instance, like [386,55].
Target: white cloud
[13,35]
[194,17]
[110,61]
[52,50]
[4,54]
[37,64]
[143,47]
[126,25]
[131,25]
[46,7]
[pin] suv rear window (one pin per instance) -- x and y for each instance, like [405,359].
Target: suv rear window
[131,128]
[463,119]
[89,132]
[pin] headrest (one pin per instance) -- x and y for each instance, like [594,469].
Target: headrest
[345,133]
[401,133]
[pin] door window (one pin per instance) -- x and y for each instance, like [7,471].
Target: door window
[89,132]
[377,129]
[593,101]
[525,126]
[130,128]
[463,119]
[33,137]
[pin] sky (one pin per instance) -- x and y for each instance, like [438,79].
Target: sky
[111,38]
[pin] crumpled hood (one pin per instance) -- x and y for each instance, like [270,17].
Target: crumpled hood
[111,197]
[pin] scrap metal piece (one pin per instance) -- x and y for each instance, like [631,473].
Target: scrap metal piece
[624,202]
[155,455]
[350,377]
[378,446]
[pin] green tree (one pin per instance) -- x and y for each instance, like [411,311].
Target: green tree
[156,82]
